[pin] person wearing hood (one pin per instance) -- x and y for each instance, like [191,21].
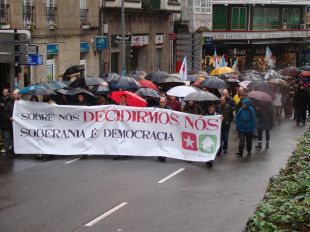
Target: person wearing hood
[300,102]
[246,123]
[192,107]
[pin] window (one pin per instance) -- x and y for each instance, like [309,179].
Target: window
[3,12]
[219,18]
[239,18]
[27,12]
[51,13]
[292,17]
[83,11]
[266,18]
[202,6]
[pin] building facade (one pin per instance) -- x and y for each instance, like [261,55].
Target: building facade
[148,25]
[66,33]
[241,31]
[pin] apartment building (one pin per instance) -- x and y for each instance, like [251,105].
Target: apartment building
[68,32]
[242,29]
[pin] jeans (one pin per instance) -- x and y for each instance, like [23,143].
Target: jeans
[260,135]
[7,139]
[224,139]
[245,137]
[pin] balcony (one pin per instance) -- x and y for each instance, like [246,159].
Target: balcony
[28,17]
[169,5]
[134,4]
[51,18]
[85,24]
[4,16]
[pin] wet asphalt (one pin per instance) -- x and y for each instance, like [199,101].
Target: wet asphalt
[66,193]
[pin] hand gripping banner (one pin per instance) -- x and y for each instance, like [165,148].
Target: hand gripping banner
[41,128]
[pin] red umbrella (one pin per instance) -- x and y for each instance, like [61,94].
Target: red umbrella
[260,96]
[132,98]
[305,73]
[148,84]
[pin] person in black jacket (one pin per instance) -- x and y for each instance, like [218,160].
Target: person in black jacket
[300,103]
[265,122]
[4,122]
[227,112]
[7,122]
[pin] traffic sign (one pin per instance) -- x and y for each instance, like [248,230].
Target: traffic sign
[35,60]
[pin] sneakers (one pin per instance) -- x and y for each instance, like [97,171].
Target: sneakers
[238,154]
[3,151]
[161,159]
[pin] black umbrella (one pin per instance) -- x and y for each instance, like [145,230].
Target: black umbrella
[41,91]
[73,69]
[201,96]
[304,68]
[251,76]
[213,83]
[125,83]
[88,81]
[110,76]
[157,76]
[170,82]
[78,91]
[264,87]
[137,74]
[147,92]
[101,90]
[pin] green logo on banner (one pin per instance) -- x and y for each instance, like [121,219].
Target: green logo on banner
[207,143]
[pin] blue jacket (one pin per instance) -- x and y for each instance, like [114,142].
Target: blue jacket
[246,118]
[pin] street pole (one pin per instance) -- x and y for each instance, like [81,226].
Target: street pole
[101,33]
[123,49]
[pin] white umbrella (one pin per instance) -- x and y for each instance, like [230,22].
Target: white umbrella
[182,91]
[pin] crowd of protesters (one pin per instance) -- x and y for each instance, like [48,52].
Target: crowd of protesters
[252,117]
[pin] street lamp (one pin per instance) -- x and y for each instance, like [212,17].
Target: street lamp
[123,48]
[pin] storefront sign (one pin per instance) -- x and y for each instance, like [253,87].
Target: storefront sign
[114,130]
[140,40]
[101,42]
[208,41]
[117,39]
[52,49]
[172,36]
[159,39]
[257,35]
[84,47]
[35,60]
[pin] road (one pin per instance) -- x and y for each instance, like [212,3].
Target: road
[139,194]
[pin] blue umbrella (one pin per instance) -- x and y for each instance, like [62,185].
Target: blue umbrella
[30,88]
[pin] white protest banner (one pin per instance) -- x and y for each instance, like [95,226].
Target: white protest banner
[41,128]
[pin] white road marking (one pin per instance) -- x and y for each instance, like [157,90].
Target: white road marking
[99,218]
[71,161]
[171,175]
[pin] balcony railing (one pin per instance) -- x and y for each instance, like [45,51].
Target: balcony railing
[28,16]
[4,14]
[83,15]
[259,27]
[51,18]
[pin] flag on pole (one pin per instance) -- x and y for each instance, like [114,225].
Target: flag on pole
[235,67]
[216,63]
[223,61]
[183,70]
[268,57]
